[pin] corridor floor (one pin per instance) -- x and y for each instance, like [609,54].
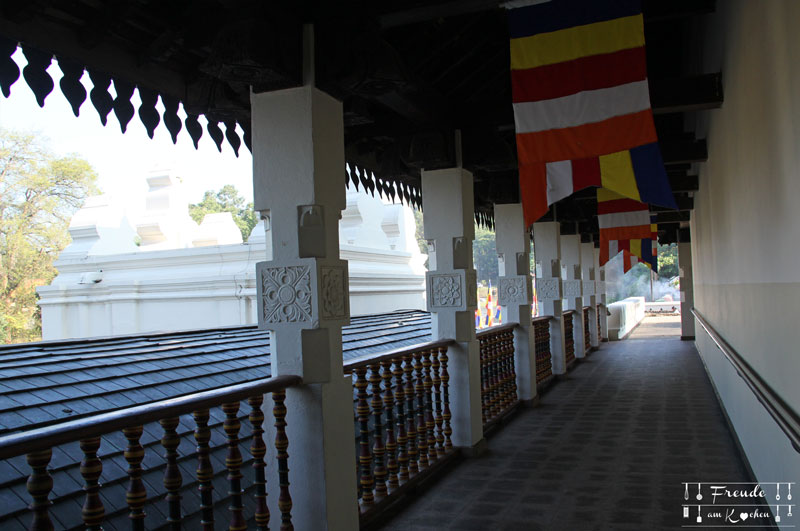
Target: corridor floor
[608,448]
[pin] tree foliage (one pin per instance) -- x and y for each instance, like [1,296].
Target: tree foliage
[39,193]
[668,261]
[484,251]
[227,199]
[484,255]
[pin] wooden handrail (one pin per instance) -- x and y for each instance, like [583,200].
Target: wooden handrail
[372,359]
[541,318]
[783,414]
[495,329]
[49,436]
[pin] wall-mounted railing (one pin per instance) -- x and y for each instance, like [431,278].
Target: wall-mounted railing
[569,337]
[544,359]
[498,373]
[402,416]
[91,431]
[587,336]
[783,414]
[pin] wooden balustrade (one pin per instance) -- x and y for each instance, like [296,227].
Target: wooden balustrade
[38,444]
[402,419]
[498,373]
[569,337]
[587,336]
[544,359]
[599,308]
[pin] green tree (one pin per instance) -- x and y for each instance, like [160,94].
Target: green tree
[484,251]
[39,193]
[227,199]
[668,261]
[484,255]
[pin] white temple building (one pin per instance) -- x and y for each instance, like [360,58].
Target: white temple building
[181,275]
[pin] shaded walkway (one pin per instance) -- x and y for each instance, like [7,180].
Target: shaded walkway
[608,448]
[658,326]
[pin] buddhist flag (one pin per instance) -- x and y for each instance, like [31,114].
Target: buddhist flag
[626,226]
[582,103]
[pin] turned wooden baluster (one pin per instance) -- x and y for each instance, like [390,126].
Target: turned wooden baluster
[258,450]
[39,485]
[502,380]
[497,376]
[422,427]
[281,445]
[437,399]
[402,438]
[512,370]
[91,469]
[365,456]
[378,450]
[413,465]
[448,431]
[172,474]
[429,423]
[233,462]
[205,471]
[502,375]
[484,357]
[388,406]
[137,494]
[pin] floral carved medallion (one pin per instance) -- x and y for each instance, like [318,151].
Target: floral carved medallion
[446,290]
[511,290]
[548,288]
[286,294]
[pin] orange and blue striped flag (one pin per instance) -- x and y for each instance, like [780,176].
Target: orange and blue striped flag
[582,103]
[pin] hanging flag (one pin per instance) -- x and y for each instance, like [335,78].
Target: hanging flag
[498,315]
[477,319]
[620,220]
[626,226]
[582,103]
[489,306]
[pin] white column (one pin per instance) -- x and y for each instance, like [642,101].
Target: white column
[514,292]
[298,165]
[451,287]
[600,293]
[573,288]
[687,288]
[547,249]
[589,290]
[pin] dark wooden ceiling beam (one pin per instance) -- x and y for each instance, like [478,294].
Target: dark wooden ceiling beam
[672,217]
[653,10]
[684,183]
[684,94]
[683,150]
[108,58]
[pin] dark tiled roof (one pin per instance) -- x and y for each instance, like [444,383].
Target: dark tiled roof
[47,382]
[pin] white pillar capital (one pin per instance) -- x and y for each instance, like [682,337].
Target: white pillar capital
[589,290]
[303,299]
[547,251]
[515,293]
[451,286]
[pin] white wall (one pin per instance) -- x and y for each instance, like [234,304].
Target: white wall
[624,316]
[186,276]
[746,219]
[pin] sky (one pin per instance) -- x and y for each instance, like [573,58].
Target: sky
[124,161]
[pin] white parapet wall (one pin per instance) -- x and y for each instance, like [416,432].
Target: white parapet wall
[624,316]
[183,275]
